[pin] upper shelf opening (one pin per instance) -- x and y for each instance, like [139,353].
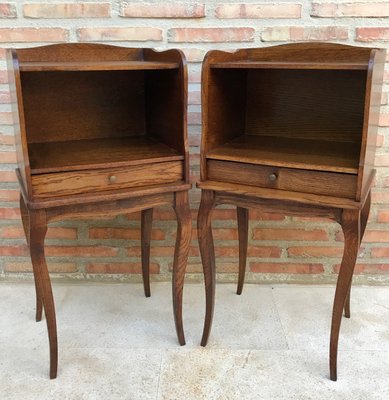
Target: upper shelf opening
[290,65]
[95,65]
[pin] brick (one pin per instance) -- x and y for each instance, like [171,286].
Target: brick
[8,10]
[131,34]
[81,251]
[9,213]
[194,55]
[8,140]
[194,140]
[286,268]
[16,250]
[194,98]
[7,157]
[67,10]
[366,268]
[315,251]
[289,234]
[3,77]
[21,35]
[383,216]
[299,33]
[162,10]
[15,232]
[52,267]
[376,236]
[380,140]
[380,252]
[259,10]
[211,35]
[5,97]
[264,251]
[123,233]
[225,267]
[194,77]
[9,195]
[8,176]
[380,197]
[224,234]
[194,118]
[383,120]
[381,160]
[119,268]
[371,34]
[258,215]
[354,9]
[6,117]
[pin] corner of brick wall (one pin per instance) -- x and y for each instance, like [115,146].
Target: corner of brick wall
[281,249]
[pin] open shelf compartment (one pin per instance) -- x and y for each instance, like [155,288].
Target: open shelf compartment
[295,118]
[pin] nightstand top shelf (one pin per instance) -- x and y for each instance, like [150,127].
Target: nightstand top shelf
[75,155]
[319,155]
[255,64]
[95,66]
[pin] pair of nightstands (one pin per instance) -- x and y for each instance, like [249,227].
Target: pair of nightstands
[287,129]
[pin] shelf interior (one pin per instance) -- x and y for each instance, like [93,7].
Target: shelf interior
[95,66]
[312,154]
[251,64]
[74,155]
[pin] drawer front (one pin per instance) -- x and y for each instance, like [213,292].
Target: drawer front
[69,183]
[296,180]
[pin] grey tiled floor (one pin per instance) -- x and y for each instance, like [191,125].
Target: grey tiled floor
[269,343]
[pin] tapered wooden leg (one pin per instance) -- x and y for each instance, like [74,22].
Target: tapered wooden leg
[146,224]
[364,217]
[351,229]
[207,252]
[181,251]
[26,228]
[38,229]
[243,230]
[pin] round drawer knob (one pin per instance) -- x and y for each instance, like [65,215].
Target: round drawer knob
[273,177]
[112,179]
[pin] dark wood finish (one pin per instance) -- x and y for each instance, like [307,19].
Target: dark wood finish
[146,225]
[243,231]
[290,129]
[207,251]
[104,129]
[306,181]
[76,155]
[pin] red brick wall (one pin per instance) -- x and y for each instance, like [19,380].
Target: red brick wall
[281,248]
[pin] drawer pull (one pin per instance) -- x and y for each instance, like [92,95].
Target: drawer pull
[112,179]
[273,177]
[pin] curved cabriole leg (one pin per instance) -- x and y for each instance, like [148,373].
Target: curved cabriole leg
[26,228]
[38,229]
[364,217]
[181,251]
[146,223]
[207,252]
[243,230]
[351,229]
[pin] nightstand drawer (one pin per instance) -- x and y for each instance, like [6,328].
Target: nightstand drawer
[69,183]
[297,180]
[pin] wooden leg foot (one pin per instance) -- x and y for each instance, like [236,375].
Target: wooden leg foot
[207,252]
[38,229]
[184,233]
[146,224]
[243,230]
[351,228]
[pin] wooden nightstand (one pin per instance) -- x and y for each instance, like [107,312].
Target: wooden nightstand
[290,129]
[100,130]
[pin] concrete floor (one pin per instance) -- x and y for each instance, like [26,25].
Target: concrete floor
[269,343]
